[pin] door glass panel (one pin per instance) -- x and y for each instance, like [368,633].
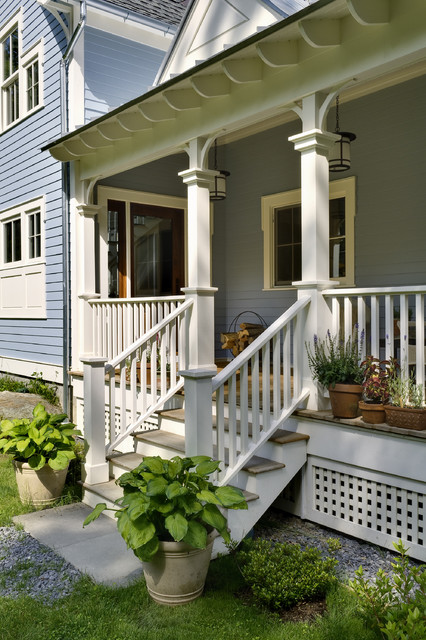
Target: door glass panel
[152,256]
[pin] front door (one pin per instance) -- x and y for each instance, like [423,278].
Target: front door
[145,250]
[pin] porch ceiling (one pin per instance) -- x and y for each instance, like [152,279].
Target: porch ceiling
[328,45]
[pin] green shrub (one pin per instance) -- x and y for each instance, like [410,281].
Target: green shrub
[282,575]
[40,387]
[9,384]
[394,605]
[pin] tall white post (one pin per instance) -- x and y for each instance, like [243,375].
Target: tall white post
[314,145]
[96,468]
[201,369]
[86,270]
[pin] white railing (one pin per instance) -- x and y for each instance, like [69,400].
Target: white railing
[145,375]
[260,389]
[392,319]
[119,322]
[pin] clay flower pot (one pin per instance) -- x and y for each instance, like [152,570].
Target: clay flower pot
[345,399]
[372,413]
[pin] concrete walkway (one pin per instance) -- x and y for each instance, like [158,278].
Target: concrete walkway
[98,549]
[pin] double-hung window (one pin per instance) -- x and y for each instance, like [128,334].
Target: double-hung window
[21,78]
[22,262]
[281,223]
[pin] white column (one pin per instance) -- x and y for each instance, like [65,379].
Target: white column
[314,146]
[86,274]
[201,369]
[96,467]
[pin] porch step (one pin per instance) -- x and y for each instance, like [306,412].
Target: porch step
[176,444]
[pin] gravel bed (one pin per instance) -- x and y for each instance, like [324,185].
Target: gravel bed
[28,567]
[280,527]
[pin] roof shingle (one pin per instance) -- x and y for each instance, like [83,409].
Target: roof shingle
[168,11]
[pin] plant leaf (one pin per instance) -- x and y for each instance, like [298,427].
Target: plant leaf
[196,535]
[100,507]
[58,461]
[157,486]
[207,467]
[212,516]
[177,526]
[208,496]
[174,467]
[231,497]
[155,465]
[37,461]
[175,489]
[140,531]
[21,445]
[137,505]
[148,550]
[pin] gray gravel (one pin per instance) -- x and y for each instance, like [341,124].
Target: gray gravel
[30,568]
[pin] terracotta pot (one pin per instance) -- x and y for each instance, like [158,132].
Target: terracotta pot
[372,413]
[41,487]
[177,573]
[345,399]
[406,417]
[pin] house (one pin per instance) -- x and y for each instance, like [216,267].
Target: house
[63,64]
[159,270]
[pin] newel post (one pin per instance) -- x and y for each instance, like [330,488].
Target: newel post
[201,366]
[96,467]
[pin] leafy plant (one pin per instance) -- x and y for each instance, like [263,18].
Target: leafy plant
[376,377]
[394,605]
[404,392]
[40,387]
[282,575]
[171,500]
[334,361]
[44,440]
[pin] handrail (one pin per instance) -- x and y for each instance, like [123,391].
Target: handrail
[368,291]
[112,301]
[164,340]
[272,403]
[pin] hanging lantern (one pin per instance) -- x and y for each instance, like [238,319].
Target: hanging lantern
[340,154]
[218,191]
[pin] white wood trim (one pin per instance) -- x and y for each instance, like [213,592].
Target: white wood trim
[26,368]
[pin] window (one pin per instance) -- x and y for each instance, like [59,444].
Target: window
[22,264]
[20,74]
[281,222]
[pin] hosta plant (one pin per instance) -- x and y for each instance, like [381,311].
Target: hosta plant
[46,439]
[166,500]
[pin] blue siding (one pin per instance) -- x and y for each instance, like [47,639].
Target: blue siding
[27,173]
[116,70]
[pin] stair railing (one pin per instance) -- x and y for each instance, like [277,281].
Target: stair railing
[145,375]
[259,390]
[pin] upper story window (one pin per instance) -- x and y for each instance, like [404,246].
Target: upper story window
[21,79]
[281,222]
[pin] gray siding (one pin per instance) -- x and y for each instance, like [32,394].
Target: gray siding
[116,70]
[27,173]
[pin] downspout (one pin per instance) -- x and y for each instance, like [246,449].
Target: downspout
[64,64]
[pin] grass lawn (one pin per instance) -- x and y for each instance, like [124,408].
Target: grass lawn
[94,612]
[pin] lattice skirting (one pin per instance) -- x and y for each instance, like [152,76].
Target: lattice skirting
[375,507]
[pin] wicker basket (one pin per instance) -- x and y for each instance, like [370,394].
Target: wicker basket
[406,418]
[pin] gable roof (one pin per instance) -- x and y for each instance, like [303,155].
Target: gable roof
[168,11]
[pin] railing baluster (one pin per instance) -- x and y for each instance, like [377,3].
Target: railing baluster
[112,405]
[220,428]
[389,331]
[255,386]
[404,334]
[375,327]
[266,386]
[362,324]
[420,338]
[244,403]
[232,420]
[348,321]
[276,374]
[123,421]
[286,367]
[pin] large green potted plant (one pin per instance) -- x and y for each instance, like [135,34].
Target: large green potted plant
[169,515]
[406,408]
[336,365]
[41,450]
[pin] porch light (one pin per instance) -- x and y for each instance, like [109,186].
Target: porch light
[340,154]
[218,191]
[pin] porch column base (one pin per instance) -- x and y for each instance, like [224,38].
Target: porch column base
[198,411]
[96,467]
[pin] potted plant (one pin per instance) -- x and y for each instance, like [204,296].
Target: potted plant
[335,364]
[41,449]
[169,515]
[376,376]
[406,408]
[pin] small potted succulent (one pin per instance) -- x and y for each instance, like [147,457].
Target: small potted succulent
[41,449]
[376,377]
[406,407]
[336,365]
[169,515]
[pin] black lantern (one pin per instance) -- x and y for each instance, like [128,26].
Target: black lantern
[340,153]
[218,191]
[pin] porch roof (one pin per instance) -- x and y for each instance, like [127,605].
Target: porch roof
[330,45]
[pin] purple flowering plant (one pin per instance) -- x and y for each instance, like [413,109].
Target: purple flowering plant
[335,361]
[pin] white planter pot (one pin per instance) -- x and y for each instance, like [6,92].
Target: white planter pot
[40,487]
[177,573]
